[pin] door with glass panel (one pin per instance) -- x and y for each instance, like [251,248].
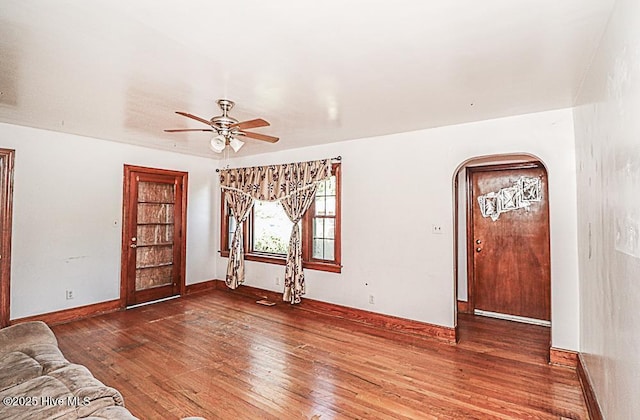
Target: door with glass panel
[154,227]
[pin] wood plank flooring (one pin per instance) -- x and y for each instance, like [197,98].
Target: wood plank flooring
[219,355]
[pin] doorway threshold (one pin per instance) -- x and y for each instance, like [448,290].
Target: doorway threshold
[152,302]
[515,318]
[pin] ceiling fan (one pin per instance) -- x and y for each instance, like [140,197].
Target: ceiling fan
[227,128]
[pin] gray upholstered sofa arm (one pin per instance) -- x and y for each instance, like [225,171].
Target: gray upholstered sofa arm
[36,381]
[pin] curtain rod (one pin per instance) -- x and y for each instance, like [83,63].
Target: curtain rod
[338,158]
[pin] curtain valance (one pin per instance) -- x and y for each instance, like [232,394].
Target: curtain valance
[275,182]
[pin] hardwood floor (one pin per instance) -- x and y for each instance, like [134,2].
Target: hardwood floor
[220,355]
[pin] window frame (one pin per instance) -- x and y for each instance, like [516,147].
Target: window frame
[333,266]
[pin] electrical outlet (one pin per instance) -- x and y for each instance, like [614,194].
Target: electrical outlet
[69,294]
[436,229]
[277,281]
[371,300]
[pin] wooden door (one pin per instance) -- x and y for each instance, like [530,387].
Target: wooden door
[509,241]
[154,234]
[6,206]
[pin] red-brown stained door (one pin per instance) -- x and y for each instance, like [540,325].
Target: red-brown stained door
[511,264]
[153,234]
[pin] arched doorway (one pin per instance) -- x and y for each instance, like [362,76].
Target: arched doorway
[502,264]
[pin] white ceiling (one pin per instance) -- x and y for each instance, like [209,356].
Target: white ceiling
[318,71]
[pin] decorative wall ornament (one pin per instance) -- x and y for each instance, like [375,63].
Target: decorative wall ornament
[509,199]
[489,205]
[530,188]
[518,196]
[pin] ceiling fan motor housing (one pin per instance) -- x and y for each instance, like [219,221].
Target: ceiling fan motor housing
[222,122]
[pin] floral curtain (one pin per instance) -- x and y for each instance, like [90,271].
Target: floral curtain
[239,204]
[294,184]
[295,206]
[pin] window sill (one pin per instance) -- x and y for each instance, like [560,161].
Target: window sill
[311,265]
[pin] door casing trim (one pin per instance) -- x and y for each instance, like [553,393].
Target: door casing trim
[6,201]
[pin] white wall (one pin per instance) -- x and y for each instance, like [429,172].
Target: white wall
[607,127]
[395,187]
[68,214]
[462,236]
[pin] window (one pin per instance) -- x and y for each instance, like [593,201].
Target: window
[268,229]
[271,228]
[323,224]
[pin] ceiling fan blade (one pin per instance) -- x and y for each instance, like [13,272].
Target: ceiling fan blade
[257,136]
[178,130]
[185,114]
[258,122]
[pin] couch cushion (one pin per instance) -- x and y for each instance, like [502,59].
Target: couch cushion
[109,413]
[47,355]
[20,366]
[37,382]
[91,394]
[24,335]
[16,368]
[40,398]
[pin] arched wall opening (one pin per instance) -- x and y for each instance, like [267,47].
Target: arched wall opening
[461,211]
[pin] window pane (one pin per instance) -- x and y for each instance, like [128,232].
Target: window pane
[318,249]
[320,206]
[330,228]
[321,188]
[232,228]
[331,186]
[323,248]
[328,249]
[318,227]
[330,206]
[154,234]
[271,228]
[155,192]
[155,213]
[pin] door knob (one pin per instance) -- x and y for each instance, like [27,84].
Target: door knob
[478,249]
[478,241]
[133,246]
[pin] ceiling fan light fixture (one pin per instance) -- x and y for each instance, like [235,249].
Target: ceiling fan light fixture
[218,143]
[235,144]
